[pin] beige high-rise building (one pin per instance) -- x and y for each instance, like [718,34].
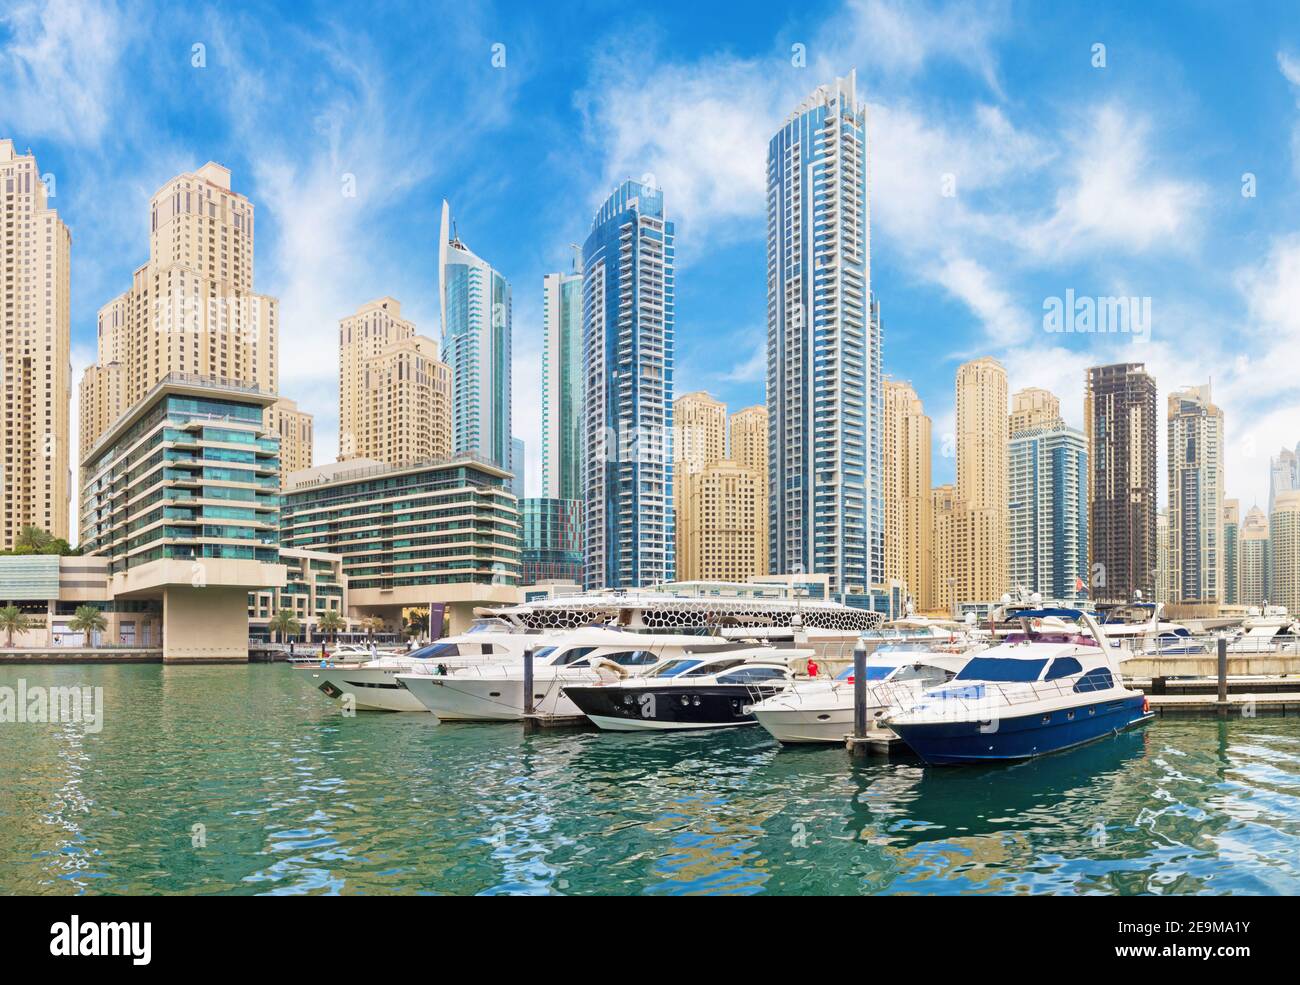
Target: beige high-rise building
[294,427]
[35,363]
[980,512]
[943,560]
[906,494]
[749,450]
[724,546]
[699,440]
[1284,548]
[191,309]
[1254,561]
[394,390]
[1033,407]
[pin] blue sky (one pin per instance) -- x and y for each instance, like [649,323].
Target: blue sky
[1123,179]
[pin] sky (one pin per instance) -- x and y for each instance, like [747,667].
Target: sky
[1022,154]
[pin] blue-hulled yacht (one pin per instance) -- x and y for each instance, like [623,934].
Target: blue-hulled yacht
[1053,684]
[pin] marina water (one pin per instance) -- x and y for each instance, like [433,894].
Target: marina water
[245,780]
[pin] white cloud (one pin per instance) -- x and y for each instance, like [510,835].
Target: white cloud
[59,72]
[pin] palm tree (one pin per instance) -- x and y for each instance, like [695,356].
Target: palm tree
[33,538]
[330,621]
[89,620]
[13,621]
[372,624]
[283,623]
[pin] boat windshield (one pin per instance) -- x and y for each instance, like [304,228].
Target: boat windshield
[1006,669]
[873,673]
[436,650]
[674,667]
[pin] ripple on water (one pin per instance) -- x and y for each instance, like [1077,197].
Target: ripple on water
[243,780]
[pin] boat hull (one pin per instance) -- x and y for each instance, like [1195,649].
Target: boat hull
[659,709]
[370,690]
[1021,737]
[468,699]
[792,726]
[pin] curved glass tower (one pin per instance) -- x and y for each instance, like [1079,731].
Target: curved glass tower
[627,358]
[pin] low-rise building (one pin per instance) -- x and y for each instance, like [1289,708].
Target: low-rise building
[314,584]
[49,589]
[441,534]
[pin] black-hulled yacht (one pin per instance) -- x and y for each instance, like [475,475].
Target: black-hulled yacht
[710,691]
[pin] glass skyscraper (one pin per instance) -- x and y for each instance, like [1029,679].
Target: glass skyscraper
[474,304]
[1047,511]
[825,394]
[562,386]
[552,540]
[627,358]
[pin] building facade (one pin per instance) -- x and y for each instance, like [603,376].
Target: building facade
[1195,497]
[552,545]
[1283,474]
[35,481]
[475,305]
[628,317]
[1162,557]
[824,387]
[1284,548]
[518,466]
[314,584]
[1048,510]
[943,547]
[1231,551]
[749,446]
[1033,407]
[980,511]
[181,497]
[699,441]
[908,524]
[444,532]
[49,590]
[1120,423]
[294,427]
[395,392]
[562,385]
[720,502]
[191,309]
[1255,565]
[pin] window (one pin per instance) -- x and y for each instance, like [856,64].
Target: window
[1004,669]
[570,657]
[1063,667]
[1098,679]
[751,675]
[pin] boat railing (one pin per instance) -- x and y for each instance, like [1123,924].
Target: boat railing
[988,698]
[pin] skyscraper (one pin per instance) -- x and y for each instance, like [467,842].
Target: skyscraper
[475,307]
[1048,510]
[1033,407]
[719,508]
[628,312]
[295,429]
[562,385]
[906,494]
[1283,474]
[824,388]
[190,309]
[1284,548]
[1195,497]
[1120,422]
[34,364]
[1256,560]
[943,564]
[394,391]
[518,466]
[700,441]
[980,510]
[1231,551]
[749,451]
[1162,556]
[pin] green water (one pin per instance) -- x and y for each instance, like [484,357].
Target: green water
[294,797]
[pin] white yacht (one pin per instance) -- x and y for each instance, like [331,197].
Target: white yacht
[493,691]
[1042,690]
[708,691]
[1138,628]
[372,684]
[897,674]
[1267,629]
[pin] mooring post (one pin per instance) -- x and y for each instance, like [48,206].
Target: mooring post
[1223,674]
[528,681]
[860,690]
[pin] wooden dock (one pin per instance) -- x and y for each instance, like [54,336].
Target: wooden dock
[1236,705]
[533,722]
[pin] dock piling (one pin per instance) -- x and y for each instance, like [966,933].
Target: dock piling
[528,681]
[860,690]
[1223,676]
